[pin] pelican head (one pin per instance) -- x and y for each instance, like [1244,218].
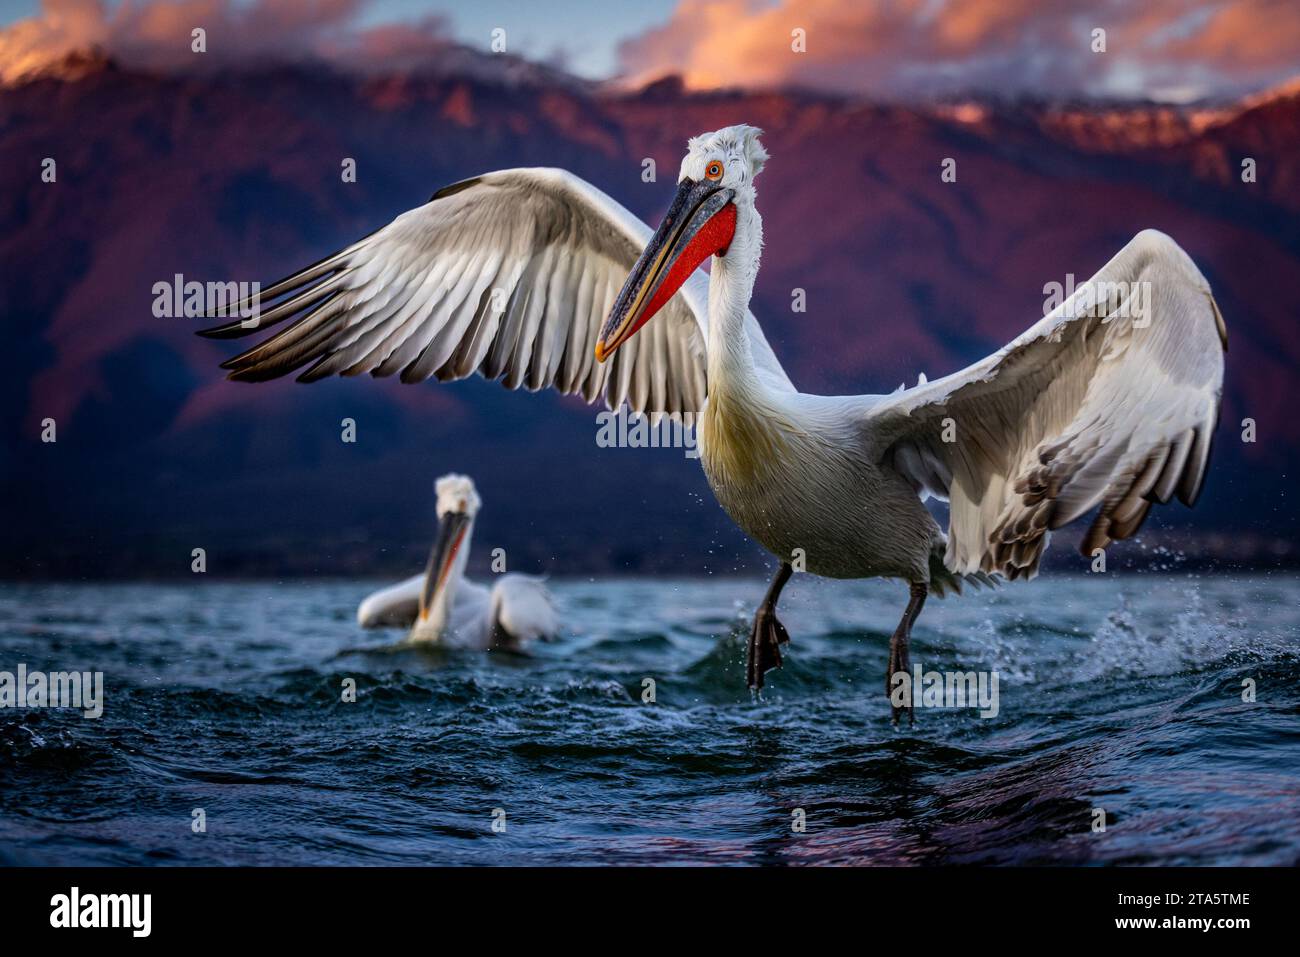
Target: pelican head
[458,503]
[715,191]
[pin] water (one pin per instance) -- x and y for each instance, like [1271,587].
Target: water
[1122,693]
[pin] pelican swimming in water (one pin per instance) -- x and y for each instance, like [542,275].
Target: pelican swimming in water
[444,606]
[535,277]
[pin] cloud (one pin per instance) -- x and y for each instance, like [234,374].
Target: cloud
[1163,49]
[157,34]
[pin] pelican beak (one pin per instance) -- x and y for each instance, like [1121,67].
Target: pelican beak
[700,223]
[451,532]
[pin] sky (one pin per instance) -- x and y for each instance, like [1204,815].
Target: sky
[1168,50]
[586,33]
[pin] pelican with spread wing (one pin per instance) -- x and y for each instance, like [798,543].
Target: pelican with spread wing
[442,606]
[536,278]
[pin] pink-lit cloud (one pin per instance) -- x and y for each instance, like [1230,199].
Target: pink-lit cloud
[1165,49]
[157,34]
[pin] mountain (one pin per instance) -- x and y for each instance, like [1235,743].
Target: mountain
[236,175]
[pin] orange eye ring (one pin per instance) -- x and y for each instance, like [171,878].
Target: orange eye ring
[713,171]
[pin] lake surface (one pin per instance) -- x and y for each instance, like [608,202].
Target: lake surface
[1118,695]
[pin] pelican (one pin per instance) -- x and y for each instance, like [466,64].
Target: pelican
[443,606]
[537,278]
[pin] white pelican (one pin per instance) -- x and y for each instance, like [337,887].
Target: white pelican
[444,606]
[516,275]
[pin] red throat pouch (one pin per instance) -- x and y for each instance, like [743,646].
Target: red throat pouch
[713,238]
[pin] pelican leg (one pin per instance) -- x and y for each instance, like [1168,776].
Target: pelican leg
[768,634]
[899,660]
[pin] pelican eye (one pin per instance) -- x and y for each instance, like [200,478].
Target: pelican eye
[713,171]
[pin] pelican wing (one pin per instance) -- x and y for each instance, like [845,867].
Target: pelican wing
[1110,400]
[508,275]
[523,607]
[394,606]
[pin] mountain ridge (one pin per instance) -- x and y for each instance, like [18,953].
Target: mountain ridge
[235,175]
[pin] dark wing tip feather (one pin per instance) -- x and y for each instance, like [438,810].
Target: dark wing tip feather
[455,188]
[1198,467]
[262,372]
[1220,325]
[230,330]
[244,375]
